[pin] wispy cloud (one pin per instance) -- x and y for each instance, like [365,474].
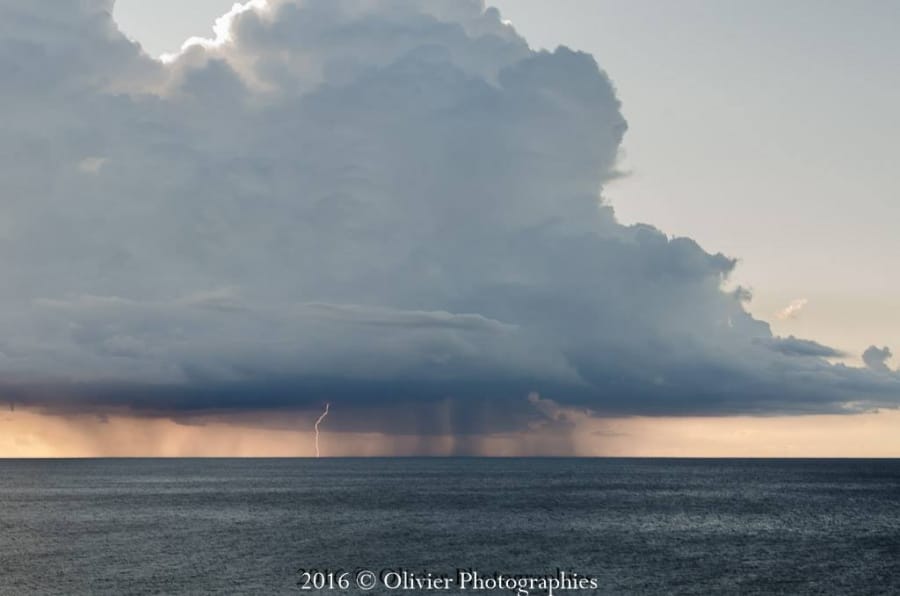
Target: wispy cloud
[792,310]
[92,165]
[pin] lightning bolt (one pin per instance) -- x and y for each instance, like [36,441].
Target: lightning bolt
[321,418]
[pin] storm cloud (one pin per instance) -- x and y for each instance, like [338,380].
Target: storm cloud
[390,204]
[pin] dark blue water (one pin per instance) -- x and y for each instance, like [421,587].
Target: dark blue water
[637,526]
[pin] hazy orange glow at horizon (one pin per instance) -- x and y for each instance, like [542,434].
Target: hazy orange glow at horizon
[28,434]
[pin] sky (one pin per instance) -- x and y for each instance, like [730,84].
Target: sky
[427,215]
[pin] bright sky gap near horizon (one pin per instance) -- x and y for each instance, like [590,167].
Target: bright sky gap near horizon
[316,209]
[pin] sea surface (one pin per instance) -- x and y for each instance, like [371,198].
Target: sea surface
[638,526]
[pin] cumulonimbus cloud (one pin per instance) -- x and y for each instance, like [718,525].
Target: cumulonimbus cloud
[392,203]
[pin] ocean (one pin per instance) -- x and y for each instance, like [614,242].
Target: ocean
[273,526]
